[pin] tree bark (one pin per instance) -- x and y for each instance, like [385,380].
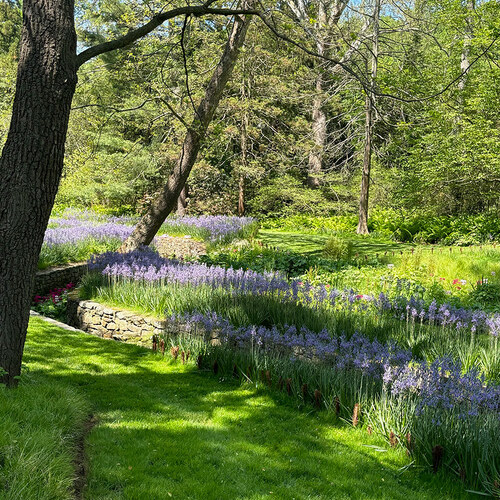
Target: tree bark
[369,119]
[464,57]
[315,163]
[243,147]
[31,163]
[182,201]
[164,202]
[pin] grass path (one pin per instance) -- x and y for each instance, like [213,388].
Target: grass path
[166,431]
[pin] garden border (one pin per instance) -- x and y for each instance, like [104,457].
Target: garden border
[112,323]
[54,277]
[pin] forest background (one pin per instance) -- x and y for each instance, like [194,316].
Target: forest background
[290,131]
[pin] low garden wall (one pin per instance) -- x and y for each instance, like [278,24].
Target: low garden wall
[55,277]
[107,322]
[180,246]
[126,326]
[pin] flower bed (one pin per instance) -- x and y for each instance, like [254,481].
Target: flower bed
[383,359]
[212,228]
[77,234]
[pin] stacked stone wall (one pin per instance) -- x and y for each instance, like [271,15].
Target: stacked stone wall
[180,246]
[56,277]
[107,322]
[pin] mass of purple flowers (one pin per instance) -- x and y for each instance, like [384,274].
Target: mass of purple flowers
[443,385]
[77,225]
[217,227]
[371,358]
[440,385]
[74,226]
[147,265]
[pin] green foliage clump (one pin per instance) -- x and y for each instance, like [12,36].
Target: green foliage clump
[313,224]
[263,258]
[338,249]
[80,251]
[404,226]
[41,423]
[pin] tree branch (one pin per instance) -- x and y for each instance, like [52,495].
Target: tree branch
[134,35]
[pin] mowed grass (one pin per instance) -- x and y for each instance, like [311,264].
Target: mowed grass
[167,430]
[313,244]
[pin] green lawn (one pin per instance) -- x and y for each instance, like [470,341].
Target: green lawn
[313,244]
[165,430]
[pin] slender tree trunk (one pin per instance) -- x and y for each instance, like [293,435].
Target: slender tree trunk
[31,163]
[182,201]
[464,58]
[165,201]
[315,164]
[243,147]
[241,196]
[369,119]
[241,183]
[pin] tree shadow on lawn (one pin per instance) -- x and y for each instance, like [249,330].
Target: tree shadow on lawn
[170,431]
[312,244]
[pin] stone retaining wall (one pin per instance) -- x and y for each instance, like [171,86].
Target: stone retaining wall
[126,326]
[180,246]
[56,277]
[111,323]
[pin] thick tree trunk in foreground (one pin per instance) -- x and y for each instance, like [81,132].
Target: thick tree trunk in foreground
[31,163]
[166,200]
[367,156]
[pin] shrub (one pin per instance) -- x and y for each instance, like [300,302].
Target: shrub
[338,249]
[53,305]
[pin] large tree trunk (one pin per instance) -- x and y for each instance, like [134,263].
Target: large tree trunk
[165,201]
[369,118]
[31,163]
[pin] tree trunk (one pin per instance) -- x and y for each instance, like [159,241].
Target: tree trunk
[165,201]
[367,156]
[315,164]
[464,57]
[31,163]
[182,201]
[241,196]
[243,147]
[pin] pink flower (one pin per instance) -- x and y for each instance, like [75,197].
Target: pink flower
[456,281]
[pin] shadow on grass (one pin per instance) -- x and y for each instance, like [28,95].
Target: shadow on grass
[312,244]
[170,431]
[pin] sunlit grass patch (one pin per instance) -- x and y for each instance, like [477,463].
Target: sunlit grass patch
[165,430]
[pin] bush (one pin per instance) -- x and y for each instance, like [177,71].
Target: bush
[261,259]
[338,249]
[53,305]
[415,227]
